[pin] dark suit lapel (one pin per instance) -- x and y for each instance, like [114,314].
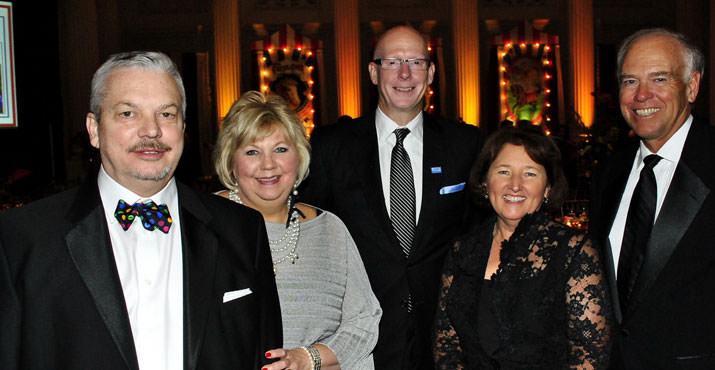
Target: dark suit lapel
[199,248]
[433,155]
[613,192]
[367,165]
[682,202]
[90,247]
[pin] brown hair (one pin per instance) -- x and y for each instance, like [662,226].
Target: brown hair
[540,148]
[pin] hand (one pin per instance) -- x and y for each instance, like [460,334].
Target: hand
[288,359]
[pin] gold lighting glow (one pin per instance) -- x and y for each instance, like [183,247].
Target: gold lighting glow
[465,33]
[227,61]
[347,52]
[582,46]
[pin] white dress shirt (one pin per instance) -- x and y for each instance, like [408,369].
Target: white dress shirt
[151,273]
[664,170]
[413,144]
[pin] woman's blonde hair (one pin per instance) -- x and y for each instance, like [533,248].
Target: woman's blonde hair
[253,117]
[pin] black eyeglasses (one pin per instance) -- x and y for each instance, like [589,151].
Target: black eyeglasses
[420,64]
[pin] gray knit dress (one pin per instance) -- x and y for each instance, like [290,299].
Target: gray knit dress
[325,295]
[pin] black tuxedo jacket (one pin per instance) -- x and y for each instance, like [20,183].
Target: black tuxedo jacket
[62,305]
[670,323]
[345,179]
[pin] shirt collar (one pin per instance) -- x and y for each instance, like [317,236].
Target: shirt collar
[111,192]
[673,148]
[386,126]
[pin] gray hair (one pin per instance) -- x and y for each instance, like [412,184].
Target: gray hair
[149,60]
[694,59]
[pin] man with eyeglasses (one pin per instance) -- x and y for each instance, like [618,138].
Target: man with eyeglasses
[397,178]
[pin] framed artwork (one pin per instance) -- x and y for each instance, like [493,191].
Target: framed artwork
[8,101]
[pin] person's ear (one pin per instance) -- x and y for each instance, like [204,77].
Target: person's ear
[372,69]
[92,129]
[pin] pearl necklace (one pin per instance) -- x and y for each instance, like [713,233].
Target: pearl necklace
[287,242]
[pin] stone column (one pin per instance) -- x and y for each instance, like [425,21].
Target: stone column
[227,54]
[580,13]
[465,32]
[347,57]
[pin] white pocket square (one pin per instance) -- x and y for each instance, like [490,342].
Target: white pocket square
[236,294]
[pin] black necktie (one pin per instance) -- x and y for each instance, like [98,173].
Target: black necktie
[402,193]
[641,216]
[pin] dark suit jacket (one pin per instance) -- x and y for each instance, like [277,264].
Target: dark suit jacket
[345,179]
[671,322]
[62,305]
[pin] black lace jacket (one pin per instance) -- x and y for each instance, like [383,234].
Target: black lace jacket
[551,302]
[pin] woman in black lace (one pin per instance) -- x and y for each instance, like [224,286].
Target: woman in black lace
[522,291]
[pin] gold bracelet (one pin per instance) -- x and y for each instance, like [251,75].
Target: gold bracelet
[310,356]
[314,355]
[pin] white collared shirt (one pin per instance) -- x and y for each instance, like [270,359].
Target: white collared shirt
[151,273]
[413,144]
[664,170]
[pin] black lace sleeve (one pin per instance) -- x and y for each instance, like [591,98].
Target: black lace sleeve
[588,307]
[446,348]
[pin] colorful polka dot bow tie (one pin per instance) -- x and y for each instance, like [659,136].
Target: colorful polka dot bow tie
[153,216]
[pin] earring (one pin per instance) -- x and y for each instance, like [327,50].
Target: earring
[546,200]
[233,192]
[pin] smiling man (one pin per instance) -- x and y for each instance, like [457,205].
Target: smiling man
[397,178]
[134,269]
[654,209]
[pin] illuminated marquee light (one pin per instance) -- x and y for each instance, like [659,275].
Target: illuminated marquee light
[507,52]
[272,56]
[429,96]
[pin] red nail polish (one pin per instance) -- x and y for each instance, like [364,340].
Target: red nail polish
[264,367]
[268,355]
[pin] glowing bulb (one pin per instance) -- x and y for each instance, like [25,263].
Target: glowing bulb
[502,68]
[548,91]
[310,82]
[310,53]
[270,50]
[523,44]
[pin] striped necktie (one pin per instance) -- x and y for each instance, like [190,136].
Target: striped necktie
[402,193]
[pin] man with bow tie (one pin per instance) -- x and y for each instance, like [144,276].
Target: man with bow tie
[136,270]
